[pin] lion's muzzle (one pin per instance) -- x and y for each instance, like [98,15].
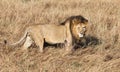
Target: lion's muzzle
[81,35]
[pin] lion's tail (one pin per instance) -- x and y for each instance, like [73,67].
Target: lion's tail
[20,42]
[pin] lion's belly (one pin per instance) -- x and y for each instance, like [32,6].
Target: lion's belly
[54,40]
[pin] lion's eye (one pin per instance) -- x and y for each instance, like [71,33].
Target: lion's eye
[78,27]
[84,28]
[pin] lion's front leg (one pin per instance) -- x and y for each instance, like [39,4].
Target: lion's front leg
[68,48]
[69,45]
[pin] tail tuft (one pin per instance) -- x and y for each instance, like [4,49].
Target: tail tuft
[5,41]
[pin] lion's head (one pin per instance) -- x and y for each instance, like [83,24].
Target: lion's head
[78,26]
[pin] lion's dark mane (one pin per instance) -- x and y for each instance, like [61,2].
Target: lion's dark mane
[78,17]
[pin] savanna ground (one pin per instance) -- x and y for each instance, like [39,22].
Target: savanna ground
[99,52]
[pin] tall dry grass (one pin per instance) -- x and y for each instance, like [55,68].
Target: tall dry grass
[104,24]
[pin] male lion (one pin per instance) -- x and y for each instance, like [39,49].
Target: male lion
[72,29]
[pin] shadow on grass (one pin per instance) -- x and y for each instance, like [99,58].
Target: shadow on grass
[88,41]
[58,45]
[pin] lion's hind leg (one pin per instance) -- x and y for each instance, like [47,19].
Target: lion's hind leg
[39,41]
[27,43]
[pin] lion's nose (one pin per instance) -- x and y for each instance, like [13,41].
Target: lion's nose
[83,32]
[84,28]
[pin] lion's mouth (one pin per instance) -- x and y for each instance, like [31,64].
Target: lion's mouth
[81,35]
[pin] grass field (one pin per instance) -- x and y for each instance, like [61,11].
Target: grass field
[101,54]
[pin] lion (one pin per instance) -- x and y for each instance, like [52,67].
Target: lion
[67,32]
